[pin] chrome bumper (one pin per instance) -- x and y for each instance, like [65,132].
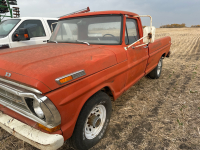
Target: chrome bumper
[30,135]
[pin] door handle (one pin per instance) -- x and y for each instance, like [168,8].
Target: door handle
[146,46]
[44,41]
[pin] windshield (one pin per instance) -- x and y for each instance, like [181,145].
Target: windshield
[7,26]
[93,30]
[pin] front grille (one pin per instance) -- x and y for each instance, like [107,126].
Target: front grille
[12,99]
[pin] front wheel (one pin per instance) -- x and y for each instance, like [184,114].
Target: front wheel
[156,72]
[92,122]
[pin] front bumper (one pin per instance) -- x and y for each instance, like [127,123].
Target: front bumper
[30,135]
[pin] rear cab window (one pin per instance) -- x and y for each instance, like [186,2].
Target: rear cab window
[67,32]
[108,31]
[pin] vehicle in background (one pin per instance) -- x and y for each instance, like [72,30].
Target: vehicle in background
[39,30]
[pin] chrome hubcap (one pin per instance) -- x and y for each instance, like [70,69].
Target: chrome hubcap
[95,121]
[159,67]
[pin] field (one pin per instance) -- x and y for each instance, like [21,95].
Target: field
[160,114]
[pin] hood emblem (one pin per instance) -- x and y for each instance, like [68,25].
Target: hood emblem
[8,74]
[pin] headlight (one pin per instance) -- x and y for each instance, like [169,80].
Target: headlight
[37,109]
[43,109]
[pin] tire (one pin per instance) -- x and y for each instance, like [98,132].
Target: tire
[85,136]
[156,72]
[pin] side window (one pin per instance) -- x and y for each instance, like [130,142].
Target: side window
[50,22]
[132,34]
[34,27]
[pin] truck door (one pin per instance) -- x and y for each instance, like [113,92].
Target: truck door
[137,56]
[36,32]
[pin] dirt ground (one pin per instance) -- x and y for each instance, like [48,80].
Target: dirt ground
[161,114]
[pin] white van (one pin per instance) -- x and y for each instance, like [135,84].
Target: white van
[39,30]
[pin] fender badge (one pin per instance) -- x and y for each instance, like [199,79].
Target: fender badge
[8,74]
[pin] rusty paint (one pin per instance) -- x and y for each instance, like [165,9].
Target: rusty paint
[158,44]
[105,65]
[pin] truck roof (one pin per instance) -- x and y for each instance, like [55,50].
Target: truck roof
[34,18]
[100,13]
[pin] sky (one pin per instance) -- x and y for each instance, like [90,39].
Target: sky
[162,11]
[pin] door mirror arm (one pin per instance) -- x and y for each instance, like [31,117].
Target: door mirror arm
[148,34]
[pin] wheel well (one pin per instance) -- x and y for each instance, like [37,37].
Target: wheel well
[108,91]
[163,55]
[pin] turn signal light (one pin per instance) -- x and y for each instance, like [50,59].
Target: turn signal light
[66,79]
[48,129]
[26,35]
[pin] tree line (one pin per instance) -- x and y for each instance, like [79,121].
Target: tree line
[195,26]
[178,26]
[174,26]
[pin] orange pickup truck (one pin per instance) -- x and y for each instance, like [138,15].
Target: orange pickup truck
[63,90]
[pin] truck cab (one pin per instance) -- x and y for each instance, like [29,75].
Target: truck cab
[39,30]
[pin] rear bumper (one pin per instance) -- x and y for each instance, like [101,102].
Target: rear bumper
[30,135]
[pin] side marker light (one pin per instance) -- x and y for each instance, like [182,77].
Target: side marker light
[48,129]
[66,79]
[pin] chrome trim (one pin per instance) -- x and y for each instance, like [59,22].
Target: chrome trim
[52,115]
[24,113]
[8,74]
[22,86]
[74,75]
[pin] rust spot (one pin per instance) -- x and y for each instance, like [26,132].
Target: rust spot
[13,131]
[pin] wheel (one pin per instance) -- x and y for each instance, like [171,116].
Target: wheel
[156,72]
[92,122]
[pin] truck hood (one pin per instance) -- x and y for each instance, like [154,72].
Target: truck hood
[40,65]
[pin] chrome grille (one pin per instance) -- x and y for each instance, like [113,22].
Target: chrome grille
[18,99]
[12,99]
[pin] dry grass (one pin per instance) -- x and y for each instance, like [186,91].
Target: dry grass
[154,114]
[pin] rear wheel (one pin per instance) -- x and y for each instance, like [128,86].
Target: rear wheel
[156,72]
[92,122]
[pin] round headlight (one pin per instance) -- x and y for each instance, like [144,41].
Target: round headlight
[37,109]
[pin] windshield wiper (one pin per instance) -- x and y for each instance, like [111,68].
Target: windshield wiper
[84,42]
